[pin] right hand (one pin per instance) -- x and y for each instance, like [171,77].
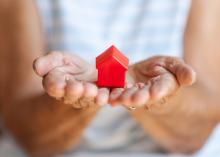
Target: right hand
[71,79]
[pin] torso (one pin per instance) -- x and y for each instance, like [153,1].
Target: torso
[140,29]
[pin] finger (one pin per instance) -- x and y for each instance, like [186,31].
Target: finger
[183,72]
[89,76]
[43,65]
[141,97]
[114,94]
[128,85]
[73,91]
[90,90]
[163,86]
[185,75]
[126,96]
[103,96]
[54,84]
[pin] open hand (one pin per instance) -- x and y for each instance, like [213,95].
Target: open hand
[152,81]
[70,78]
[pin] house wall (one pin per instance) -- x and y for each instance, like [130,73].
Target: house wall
[111,74]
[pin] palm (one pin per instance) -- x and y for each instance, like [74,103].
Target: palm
[69,78]
[152,80]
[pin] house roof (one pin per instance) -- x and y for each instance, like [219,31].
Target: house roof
[112,52]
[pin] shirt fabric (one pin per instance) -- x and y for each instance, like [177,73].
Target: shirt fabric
[139,28]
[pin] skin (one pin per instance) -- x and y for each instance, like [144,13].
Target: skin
[41,125]
[194,111]
[161,88]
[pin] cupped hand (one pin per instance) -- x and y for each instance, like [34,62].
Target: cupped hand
[70,78]
[153,81]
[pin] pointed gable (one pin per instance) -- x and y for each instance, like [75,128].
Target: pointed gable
[112,52]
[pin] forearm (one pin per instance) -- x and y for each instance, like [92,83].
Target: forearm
[182,123]
[44,126]
[21,42]
[186,120]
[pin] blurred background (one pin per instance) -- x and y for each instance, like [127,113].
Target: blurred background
[141,29]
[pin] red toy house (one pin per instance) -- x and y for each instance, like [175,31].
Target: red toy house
[112,66]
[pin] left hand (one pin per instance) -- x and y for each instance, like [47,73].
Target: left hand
[152,81]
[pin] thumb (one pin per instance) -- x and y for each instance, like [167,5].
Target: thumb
[184,74]
[44,64]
